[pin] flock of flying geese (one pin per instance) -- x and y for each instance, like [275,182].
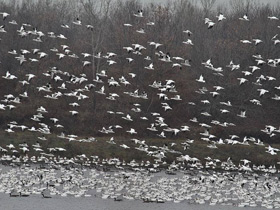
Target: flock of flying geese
[57,87]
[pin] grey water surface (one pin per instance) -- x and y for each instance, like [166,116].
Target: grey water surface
[36,202]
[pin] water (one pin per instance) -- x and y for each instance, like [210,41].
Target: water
[92,203]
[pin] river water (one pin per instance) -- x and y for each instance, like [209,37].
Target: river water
[36,202]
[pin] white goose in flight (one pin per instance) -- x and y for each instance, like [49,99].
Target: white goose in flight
[77,22]
[4,15]
[201,79]
[139,13]
[221,17]
[245,17]
[9,76]
[150,67]
[242,114]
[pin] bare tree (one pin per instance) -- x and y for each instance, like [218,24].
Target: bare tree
[239,6]
[97,12]
[207,5]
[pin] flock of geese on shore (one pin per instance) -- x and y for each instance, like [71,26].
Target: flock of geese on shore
[203,187]
[191,186]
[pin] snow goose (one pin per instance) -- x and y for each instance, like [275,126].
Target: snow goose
[221,17]
[4,15]
[201,79]
[139,13]
[245,18]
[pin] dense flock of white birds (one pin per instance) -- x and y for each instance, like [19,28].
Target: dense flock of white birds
[193,187]
[166,91]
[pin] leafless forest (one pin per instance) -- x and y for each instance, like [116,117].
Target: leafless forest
[87,47]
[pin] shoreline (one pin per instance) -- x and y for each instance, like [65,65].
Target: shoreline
[95,203]
[128,188]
